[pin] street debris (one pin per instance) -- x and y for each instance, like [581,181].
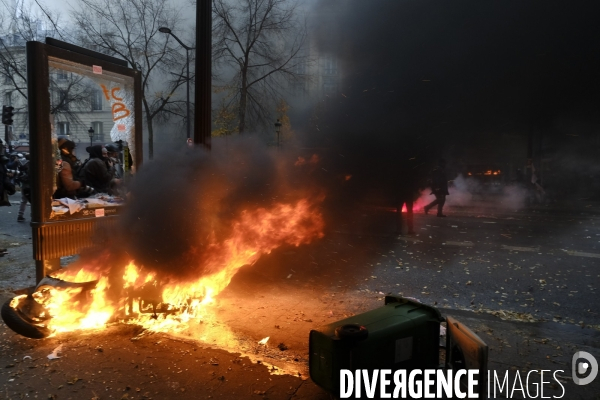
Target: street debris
[263,341]
[54,355]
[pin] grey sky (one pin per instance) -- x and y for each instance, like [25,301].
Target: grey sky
[186,9]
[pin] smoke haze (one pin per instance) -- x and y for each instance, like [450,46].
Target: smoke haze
[186,199]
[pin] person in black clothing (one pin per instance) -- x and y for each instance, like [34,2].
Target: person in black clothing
[4,181]
[439,188]
[99,171]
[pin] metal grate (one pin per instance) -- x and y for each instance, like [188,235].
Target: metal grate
[59,239]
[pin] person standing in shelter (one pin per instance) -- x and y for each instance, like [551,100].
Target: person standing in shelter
[439,188]
[99,173]
[114,158]
[66,182]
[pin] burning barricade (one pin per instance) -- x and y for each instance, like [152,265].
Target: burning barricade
[164,268]
[92,295]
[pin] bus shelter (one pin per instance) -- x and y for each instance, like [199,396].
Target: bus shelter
[56,73]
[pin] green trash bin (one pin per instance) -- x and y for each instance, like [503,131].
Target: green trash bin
[403,334]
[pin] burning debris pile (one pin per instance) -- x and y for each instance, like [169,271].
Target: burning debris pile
[193,220]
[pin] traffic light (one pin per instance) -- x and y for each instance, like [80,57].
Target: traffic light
[7,114]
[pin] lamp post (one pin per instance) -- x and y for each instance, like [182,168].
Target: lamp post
[91,133]
[187,61]
[277,130]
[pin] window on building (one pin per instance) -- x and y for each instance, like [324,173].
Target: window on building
[299,69]
[98,131]
[330,65]
[61,101]
[7,79]
[8,98]
[62,128]
[298,84]
[96,100]
[62,75]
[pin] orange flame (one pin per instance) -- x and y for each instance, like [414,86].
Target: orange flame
[145,294]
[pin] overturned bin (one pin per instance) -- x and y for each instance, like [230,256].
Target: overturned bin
[402,335]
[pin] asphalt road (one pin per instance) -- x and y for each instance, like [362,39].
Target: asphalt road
[542,267]
[525,281]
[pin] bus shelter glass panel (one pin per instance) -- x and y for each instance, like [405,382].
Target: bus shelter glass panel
[91,107]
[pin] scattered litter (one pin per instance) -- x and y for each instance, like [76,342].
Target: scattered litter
[264,341]
[54,354]
[289,276]
[464,244]
[26,357]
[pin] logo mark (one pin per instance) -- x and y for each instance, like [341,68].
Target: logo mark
[581,368]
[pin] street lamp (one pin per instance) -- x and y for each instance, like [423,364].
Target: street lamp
[277,130]
[187,60]
[91,133]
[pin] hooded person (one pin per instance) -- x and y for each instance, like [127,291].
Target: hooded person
[67,183]
[98,171]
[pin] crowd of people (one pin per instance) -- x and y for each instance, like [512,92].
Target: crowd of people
[101,172]
[14,170]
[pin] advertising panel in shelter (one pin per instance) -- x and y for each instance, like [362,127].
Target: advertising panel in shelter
[92,119]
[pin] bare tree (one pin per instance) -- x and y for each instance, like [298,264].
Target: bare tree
[128,29]
[261,41]
[21,22]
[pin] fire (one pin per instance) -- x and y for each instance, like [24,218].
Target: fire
[162,303]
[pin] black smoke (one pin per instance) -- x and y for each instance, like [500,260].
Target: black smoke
[187,198]
[434,79]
